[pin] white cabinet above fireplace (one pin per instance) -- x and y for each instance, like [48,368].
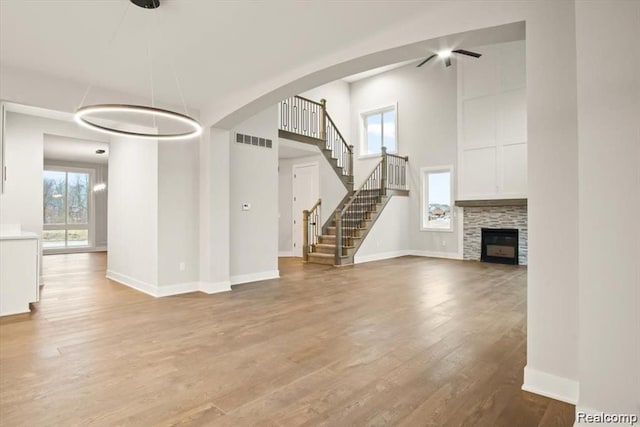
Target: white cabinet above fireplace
[492,123]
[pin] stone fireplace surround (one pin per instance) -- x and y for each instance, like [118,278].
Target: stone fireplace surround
[479,214]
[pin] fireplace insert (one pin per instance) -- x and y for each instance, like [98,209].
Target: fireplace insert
[500,245]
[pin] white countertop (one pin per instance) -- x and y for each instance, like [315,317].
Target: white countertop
[18,235]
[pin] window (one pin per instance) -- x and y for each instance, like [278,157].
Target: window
[437,195]
[67,204]
[379,129]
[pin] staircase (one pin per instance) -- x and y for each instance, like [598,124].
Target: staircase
[337,241]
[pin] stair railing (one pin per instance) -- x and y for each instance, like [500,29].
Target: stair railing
[334,141]
[305,117]
[397,172]
[348,220]
[302,116]
[389,173]
[311,222]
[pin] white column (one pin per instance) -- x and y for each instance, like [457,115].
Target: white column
[608,85]
[214,210]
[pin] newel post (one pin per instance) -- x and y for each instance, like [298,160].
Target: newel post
[351,154]
[383,178]
[338,223]
[323,120]
[305,235]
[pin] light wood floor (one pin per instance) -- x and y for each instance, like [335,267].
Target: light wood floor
[407,342]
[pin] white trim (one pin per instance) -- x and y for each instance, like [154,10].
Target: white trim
[380,256]
[254,277]
[295,166]
[177,289]
[91,207]
[285,254]
[168,290]
[424,172]
[75,250]
[550,385]
[362,149]
[214,287]
[434,254]
[136,284]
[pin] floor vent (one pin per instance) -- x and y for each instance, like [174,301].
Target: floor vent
[253,140]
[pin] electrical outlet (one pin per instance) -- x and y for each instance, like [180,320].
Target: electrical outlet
[444,243]
[182,266]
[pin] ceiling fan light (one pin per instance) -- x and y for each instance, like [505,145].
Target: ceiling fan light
[444,54]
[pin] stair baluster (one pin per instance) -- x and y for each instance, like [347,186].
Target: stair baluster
[311,221]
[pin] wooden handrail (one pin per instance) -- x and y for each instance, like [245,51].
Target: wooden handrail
[344,141]
[355,195]
[307,99]
[398,157]
[318,203]
[310,229]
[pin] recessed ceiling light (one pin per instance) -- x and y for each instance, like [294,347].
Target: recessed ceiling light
[100,151]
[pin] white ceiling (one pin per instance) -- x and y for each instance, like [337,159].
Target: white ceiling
[379,70]
[68,149]
[218,47]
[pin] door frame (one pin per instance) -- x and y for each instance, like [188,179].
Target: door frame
[293,213]
[91,204]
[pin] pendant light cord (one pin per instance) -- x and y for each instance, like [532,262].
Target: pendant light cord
[107,49]
[173,70]
[150,56]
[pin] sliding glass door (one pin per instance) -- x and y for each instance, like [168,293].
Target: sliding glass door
[67,209]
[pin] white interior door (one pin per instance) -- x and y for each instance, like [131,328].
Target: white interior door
[306,191]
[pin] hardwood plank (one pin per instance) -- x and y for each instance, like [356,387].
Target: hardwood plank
[410,341]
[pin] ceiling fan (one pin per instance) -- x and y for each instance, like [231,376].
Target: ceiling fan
[446,55]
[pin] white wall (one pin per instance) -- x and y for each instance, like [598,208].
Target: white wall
[338,103]
[178,236]
[492,123]
[552,283]
[389,237]
[100,204]
[22,202]
[253,247]
[609,159]
[332,191]
[427,118]
[133,213]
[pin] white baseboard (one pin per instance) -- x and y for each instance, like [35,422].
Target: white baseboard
[254,277]
[286,254]
[177,289]
[168,290]
[136,284]
[359,259]
[433,254]
[214,287]
[549,385]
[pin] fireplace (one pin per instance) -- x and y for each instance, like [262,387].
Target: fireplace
[499,245]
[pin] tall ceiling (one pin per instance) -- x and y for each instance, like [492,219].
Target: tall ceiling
[217,47]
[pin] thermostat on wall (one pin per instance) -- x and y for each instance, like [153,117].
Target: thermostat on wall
[246,206]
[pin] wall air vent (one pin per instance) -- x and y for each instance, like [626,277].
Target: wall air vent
[253,140]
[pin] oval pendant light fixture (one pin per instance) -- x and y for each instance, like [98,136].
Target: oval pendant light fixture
[82,113]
